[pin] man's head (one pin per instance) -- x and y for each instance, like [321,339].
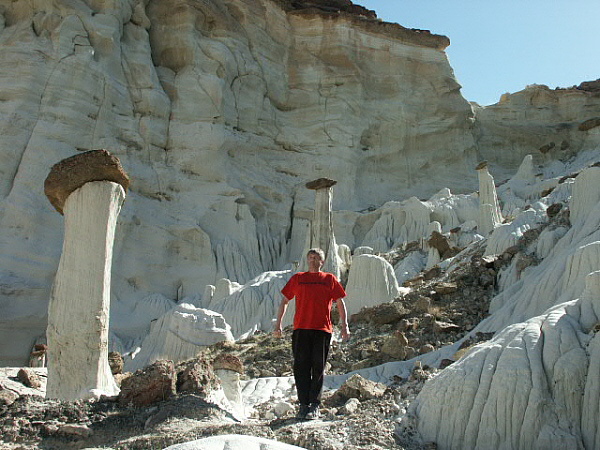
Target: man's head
[315,259]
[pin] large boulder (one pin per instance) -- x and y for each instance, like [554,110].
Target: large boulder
[371,282]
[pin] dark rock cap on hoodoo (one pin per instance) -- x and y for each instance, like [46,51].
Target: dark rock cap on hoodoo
[73,172]
[320,183]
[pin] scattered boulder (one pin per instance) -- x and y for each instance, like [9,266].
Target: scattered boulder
[427,348]
[7,397]
[422,304]
[115,361]
[29,378]
[405,325]
[360,388]
[75,430]
[387,313]
[445,363]
[444,327]
[432,273]
[197,376]
[283,409]
[149,385]
[350,407]
[445,288]
[395,345]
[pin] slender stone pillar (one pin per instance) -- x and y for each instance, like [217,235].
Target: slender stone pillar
[489,208]
[89,189]
[228,369]
[321,230]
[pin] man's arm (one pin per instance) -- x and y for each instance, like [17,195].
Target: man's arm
[341,306]
[280,313]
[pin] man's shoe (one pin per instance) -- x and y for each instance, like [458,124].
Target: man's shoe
[313,412]
[302,412]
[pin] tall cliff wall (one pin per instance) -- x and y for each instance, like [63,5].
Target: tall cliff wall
[220,111]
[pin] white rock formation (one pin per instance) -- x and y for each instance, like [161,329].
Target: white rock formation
[489,208]
[560,276]
[433,255]
[233,442]
[222,111]
[410,266]
[254,306]
[321,228]
[371,282]
[229,368]
[507,234]
[179,335]
[534,385]
[78,314]
[230,382]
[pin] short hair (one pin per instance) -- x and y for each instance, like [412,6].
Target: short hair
[317,251]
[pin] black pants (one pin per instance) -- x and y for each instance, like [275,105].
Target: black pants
[310,349]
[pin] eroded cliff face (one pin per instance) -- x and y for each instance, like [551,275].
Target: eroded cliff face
[551,124]
[220,111]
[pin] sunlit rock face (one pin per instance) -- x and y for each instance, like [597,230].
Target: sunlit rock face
[220,111]
[538,120]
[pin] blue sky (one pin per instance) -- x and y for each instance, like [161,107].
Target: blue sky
[504,45]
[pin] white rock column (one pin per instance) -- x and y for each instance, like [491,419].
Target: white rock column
[433,255]
[489,208]
[89,189]
[229,368]
[321,230]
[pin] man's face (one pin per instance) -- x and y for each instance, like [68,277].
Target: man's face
[314,262]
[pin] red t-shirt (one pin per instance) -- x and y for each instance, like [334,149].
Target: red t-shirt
[315,292]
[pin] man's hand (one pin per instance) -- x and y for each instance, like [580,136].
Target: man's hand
[345,333]
[277,332]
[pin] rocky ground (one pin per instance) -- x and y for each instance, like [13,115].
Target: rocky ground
[441,308]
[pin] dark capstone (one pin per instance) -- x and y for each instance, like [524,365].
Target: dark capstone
[320,183]
[439,242]
[71,173]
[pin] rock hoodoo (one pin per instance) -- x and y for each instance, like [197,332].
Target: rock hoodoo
[489,209]
[78,314]
[321,229]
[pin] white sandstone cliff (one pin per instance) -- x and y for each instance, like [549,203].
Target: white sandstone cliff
[220,111]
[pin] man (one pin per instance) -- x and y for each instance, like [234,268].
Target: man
[315,292]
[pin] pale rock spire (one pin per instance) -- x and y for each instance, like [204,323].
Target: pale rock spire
[321,229]
[229,368]
[433,255]
[489,208]
[89,189]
